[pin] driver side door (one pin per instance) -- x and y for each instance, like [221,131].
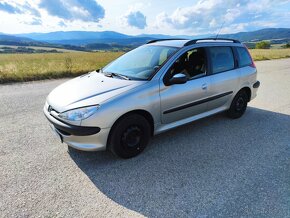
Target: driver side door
[181,101]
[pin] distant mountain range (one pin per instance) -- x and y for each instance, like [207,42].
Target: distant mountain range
[16,40]
[263,34]
[82,40]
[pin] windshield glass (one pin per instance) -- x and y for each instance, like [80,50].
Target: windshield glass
[140,63]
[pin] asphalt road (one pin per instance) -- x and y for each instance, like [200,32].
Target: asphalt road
[215,167]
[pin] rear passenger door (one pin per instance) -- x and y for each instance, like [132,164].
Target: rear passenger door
[224,76]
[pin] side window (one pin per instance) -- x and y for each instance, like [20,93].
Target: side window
[222,59]
[243,57]
[192,64]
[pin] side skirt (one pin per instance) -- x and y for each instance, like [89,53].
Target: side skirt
[164,127]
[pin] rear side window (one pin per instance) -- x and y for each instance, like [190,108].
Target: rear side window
[243,57]
[222,59]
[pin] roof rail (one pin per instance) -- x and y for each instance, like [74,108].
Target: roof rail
[158,40]
[194,41]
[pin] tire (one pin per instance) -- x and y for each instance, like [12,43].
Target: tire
[129,136]
[239,105]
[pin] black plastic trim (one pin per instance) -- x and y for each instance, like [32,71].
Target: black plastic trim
[197,102]
[72,129]
[256,85]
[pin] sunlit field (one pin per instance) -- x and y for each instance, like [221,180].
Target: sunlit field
[28,67]
[269,54]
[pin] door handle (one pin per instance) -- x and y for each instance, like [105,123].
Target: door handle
[204,86]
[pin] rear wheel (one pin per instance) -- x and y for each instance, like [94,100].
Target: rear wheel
[130,136]
[239,105]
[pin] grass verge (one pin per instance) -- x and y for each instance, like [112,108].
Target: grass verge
[30,67]
[269,54]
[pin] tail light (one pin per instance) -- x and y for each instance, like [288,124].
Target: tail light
[253,63]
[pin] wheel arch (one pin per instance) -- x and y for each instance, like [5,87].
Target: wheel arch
[141,112]
[248,91]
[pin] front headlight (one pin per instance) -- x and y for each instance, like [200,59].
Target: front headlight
[79,114]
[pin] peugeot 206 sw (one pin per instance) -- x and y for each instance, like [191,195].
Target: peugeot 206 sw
[151,89]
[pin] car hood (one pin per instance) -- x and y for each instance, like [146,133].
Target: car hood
[90,89]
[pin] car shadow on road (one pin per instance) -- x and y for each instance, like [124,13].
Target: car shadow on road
[212,166]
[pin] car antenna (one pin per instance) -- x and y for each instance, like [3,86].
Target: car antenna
[217,35]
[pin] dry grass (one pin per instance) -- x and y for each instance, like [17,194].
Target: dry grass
[269,54]
[27,67]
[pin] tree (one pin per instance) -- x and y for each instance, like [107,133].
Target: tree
[263,45]
[287,45]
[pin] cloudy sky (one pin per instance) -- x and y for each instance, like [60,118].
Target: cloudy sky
[134,17]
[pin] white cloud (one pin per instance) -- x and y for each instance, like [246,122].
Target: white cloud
[181,17]
[18,8]
[209,15]
[35,21]
[134,19]
[84,10]
[232,14]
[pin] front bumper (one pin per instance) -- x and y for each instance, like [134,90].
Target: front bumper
[79,137]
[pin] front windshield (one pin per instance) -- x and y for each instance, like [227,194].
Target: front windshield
[140,63]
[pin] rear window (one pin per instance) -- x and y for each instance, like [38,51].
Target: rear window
[222,59]
[243,57]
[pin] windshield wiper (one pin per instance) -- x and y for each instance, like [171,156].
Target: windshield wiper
[117,75]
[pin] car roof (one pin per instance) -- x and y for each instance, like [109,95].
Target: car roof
[179,43]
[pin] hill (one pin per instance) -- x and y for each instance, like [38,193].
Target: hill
[110,40]
[81,38]
[78,38]
[263,34]
[19,41]
[73,35]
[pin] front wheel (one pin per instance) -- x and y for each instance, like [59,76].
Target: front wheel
[130,136]
[239,105]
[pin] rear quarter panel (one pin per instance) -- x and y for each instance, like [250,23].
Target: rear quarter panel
[248,76]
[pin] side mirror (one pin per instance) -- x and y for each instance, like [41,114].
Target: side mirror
[179,78]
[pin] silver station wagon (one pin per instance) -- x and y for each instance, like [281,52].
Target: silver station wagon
[149,90]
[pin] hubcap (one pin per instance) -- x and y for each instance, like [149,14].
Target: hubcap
[240,104]
[131,137]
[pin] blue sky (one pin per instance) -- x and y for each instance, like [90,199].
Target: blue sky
[134,17]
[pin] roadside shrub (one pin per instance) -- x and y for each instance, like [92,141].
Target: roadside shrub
[263,45]
[286,46]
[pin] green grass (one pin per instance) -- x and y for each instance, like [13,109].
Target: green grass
[28,67]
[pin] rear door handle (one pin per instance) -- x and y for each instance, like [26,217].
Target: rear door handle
[204,86]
